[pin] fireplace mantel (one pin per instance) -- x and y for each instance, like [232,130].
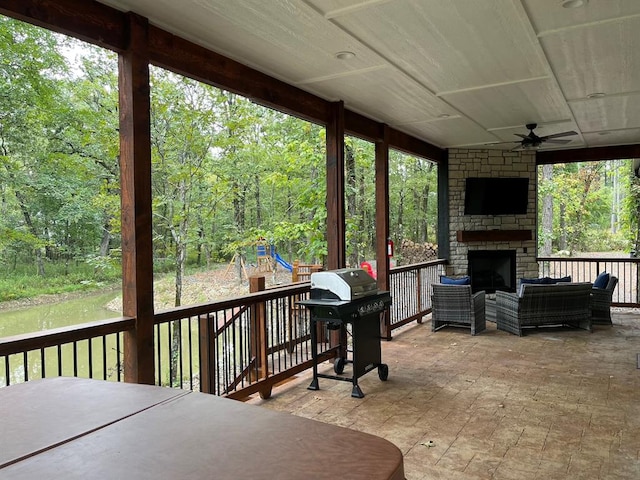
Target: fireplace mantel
[493,235]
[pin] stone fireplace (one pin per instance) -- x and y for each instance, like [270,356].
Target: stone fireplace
[491,234]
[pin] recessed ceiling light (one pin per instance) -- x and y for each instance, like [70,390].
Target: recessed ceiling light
[444,115]
[345,55]
[574,3]
[596,95]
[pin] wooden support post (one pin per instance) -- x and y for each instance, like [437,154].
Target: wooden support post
[382,224]
[207,367]
[336,246]
[336,229]
[135,172]
[259,330]
[294,272]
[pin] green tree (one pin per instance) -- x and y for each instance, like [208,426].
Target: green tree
[29,67]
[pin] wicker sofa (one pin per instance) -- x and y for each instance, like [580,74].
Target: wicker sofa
[538,305]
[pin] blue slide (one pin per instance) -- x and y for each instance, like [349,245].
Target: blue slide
[283,262]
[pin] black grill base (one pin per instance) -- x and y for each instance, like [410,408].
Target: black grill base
[365,333]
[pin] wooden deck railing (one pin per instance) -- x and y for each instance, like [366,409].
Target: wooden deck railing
[587,269]
[246,345]
[410,288]
[92,350]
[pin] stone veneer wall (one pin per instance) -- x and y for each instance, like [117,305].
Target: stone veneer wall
[465,163]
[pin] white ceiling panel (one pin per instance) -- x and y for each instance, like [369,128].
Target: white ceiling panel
[602,58]
[450,132]
[607,113]
[449,45]
[546,15]
[512,104]
[489,64]
[385,94]
[289,40]
[618,137]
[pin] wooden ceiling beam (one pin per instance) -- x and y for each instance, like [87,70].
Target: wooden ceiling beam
[92,22]
[186,58]
[588,154]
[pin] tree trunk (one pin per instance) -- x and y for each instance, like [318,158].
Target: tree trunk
[367,240]
[401,214]
[180,236]
[258,202]
[106,240]
[562,240]
[547,212]
[424,224]
[22,201]
[350,180]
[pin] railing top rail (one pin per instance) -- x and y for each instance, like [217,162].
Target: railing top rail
[589,259]
[248,299]
[415,266]
[58,336]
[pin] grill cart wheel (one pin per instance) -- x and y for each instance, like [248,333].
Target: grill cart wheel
[383,371]
[338,366]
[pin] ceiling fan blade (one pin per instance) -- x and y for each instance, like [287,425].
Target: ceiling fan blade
[501,143]
[521,135]
[558,141]
[556,135]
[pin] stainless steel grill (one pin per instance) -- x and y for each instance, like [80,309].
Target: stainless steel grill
[348,297]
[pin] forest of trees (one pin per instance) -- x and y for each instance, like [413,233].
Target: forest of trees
[588,207]
[225,172]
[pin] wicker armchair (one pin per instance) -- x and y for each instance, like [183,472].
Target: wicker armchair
[455,305]
[601,303]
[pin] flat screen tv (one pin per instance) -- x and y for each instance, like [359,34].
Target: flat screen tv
[496,196]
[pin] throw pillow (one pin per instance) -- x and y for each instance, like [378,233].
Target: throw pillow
[601,280]
[524,281]
[562,279]
[455,281]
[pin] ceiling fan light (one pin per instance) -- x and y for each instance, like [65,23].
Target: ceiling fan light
[574,3]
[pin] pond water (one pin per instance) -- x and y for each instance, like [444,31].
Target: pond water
[68,312]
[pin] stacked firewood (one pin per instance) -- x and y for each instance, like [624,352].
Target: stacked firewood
[412,252]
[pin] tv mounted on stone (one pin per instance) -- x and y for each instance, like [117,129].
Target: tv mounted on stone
[496,196]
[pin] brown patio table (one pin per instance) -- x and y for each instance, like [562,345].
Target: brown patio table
[77,428]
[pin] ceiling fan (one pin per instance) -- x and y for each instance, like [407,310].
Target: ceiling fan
[533,141]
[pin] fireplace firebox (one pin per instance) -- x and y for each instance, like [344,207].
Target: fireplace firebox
[492,270]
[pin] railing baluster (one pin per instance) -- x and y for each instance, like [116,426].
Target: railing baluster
[25,364]
[43,363]
[75,359]
[59,360]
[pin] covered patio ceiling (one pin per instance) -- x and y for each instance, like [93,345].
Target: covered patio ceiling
[455,73]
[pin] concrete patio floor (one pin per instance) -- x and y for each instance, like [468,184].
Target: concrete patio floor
[554,404]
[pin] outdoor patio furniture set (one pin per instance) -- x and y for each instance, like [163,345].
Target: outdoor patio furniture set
[538,303]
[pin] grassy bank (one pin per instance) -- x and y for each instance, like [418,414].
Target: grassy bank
[21,283]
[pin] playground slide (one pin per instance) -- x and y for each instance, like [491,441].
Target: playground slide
[283,262]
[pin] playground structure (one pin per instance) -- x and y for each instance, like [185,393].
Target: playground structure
[267,260]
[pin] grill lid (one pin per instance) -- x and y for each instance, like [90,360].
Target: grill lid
[343,284]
